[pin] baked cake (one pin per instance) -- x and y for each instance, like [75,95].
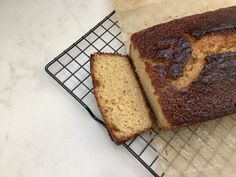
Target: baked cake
[119,96]
[187,67]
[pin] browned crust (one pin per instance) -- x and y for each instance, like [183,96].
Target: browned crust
[196,25]
[111,128]
[211,96]
[213,93]
[169,42]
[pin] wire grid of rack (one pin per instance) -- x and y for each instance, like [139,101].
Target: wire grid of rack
[71,69]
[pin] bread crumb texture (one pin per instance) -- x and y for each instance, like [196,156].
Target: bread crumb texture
[119,96]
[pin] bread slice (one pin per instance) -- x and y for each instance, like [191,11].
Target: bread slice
[119,96]
[187,67]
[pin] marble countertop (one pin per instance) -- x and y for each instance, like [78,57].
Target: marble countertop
[43,130]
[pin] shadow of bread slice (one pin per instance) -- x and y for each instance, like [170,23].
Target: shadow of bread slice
[119,96]
[187,67]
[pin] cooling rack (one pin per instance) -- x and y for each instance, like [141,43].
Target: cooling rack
[71,69]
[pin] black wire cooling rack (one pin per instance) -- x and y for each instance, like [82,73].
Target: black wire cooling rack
[71,69]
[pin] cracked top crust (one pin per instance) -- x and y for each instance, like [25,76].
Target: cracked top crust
[192,65]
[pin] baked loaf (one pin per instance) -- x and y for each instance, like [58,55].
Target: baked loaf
[187,67]
[119,96]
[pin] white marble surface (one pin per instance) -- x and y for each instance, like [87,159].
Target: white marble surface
[44,132]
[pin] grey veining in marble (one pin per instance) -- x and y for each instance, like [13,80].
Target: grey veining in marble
[43,131]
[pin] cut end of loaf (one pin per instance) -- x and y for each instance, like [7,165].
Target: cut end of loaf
[148,88]
[119,97]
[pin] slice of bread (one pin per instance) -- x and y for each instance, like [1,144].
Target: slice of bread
[119,96]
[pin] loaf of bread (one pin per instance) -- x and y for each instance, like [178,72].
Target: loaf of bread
[187,67]
[119,97]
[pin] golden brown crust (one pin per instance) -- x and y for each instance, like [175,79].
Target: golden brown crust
[166,50]
[170,43]
[111,128]
[211,96]
[197,25]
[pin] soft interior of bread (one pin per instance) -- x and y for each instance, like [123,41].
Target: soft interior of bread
[120,97]
[148,88]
